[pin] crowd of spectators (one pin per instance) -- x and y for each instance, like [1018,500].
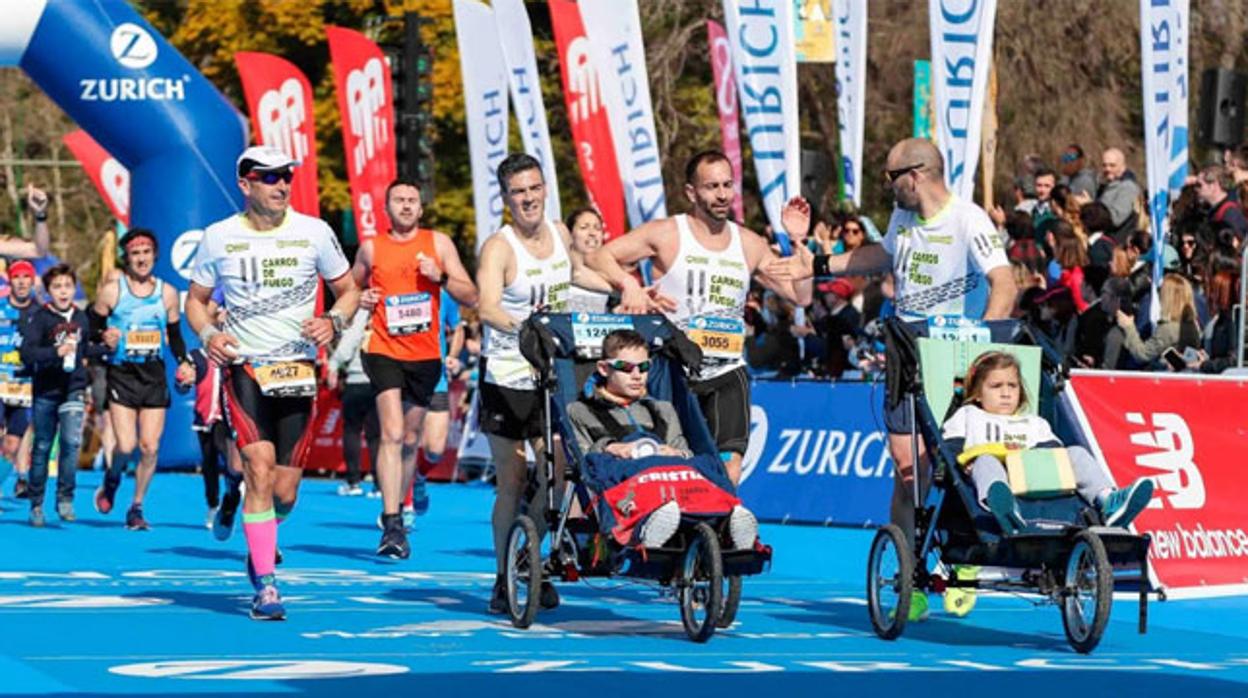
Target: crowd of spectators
[1083,255]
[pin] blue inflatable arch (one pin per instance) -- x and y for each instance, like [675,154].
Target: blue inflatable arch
[151,109]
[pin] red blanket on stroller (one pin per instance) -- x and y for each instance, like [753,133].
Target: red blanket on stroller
[633,499]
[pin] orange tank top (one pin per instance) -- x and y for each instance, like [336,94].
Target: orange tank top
[405,322]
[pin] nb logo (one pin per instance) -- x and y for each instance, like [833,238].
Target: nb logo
[282,115]
[132,46]
[115,179]
[1178,479]
[582,80]
[366,97]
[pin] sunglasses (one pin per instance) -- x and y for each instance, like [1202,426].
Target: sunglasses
[270,177]
[628,366]
[894,175]
[853,231]
[1069,157]
[1187,243]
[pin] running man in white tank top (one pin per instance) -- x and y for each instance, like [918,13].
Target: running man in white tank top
[523,268]
[706,263]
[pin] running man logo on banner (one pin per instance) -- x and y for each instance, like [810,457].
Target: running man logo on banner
[516,37]
[484,73]
[961,34]
[726,100]
[365,102]
[111,178]
[591,131]
[761,34]
[619,56]
[851,81]
[279,98]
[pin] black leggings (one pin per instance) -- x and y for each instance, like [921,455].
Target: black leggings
[214,450]
[359,413]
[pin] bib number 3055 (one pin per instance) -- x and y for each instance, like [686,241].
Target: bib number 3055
[286,378]
[721,338]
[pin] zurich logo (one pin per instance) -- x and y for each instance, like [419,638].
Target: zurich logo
[758,441]
[133,46]
[182,255]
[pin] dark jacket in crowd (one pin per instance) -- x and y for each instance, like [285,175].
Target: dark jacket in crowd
[47,330]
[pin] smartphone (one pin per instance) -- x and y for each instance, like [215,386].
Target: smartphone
[1174,358]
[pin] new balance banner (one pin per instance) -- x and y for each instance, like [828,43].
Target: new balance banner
[591,130]
[111,178]
[817,454]
[761,34]
[851,93]
[485,102]
[516,37]
[1177,430]
[726,101]
[366,105]
[279,98]
[615,47]
[961,34]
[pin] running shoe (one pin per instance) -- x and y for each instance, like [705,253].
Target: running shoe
[960,600]
[742,528]
[420,496]
[918,608]
[660,526]
[65,510]
[223,522]
[1004,507]
[1120,507]
[212,516]
[36,517]
[498,598]
[409,517]
[135,520]
[350,489]
[267,603]
[394,539]
[19,489]
[104,496]
[549,597]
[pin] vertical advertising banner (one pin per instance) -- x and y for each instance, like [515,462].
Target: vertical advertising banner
[619,57]
[1158,34]
[366,105]
[726,101]
[591,130]
[1178,111]
[814,32]
[516,37]
[761,34]
[851,90]
[484,73]
[279,98]
[961,33]
[111,178]
[923,112]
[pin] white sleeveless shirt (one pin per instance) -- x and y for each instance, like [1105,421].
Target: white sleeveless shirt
[710,289]
[538,284]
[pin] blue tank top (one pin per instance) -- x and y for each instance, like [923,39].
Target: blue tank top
[142,323]
[11,319]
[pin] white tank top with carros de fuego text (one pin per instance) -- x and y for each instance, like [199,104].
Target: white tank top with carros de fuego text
[539,284]
[710,289]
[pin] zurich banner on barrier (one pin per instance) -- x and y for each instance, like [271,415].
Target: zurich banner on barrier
[818,454]
[1177,430]
[485,104]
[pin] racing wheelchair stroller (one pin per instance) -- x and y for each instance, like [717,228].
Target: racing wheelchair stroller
[1065,553]
[698,564]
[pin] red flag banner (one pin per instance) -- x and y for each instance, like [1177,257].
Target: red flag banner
[1177,430]
[110,177]
[726,100]
[279,99]
[591,132]
[366,104]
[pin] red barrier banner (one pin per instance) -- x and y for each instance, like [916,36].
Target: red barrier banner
[726,100]
[591,131]
[279,99]
[111,178]
[1186,433]
[366,105]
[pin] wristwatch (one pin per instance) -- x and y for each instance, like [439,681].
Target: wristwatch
[339,322]
[442,281]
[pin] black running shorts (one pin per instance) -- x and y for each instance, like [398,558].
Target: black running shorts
[138,385]
[512,414]
[414,379]
[725,403]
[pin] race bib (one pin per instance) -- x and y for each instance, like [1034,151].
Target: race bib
[286,378]
[589,329]
[142,342]
[16,392]
[409,313]
[956,328]
[719,337]
[12,357]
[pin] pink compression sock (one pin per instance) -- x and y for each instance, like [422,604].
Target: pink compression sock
[261,531]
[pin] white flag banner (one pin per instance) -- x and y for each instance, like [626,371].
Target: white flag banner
[961,32]
[614,31]
[1178,104]
[761,34]
[1159,33]
[851,90]
[516,37]
[485,102]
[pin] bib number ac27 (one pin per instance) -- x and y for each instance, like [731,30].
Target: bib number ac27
[286,378]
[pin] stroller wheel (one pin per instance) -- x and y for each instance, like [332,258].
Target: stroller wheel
[701,584]
[1088,592]
[890,580]
[732,599]
[524,571]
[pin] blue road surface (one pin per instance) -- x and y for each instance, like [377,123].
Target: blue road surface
[92,609]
